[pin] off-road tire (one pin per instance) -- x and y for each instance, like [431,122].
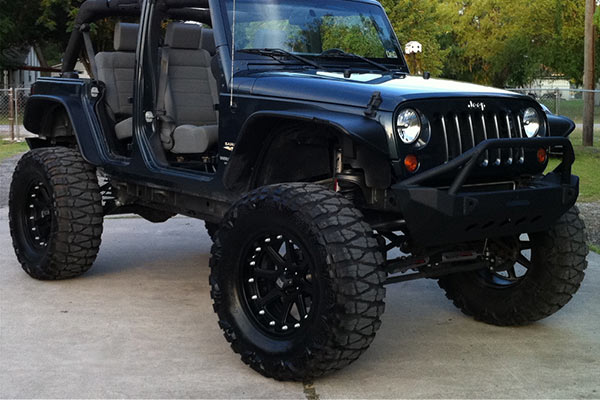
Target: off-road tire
[348,257]
[74,209]
[559,261]
[211,229]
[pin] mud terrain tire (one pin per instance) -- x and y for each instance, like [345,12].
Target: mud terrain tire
[55,213]
[345,271]
[558,265]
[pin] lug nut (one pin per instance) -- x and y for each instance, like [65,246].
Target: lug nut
[268,240]
[272,323]
[279,237]
[284,328]
[255,297]
[261,312]
[297,326]
[251,280]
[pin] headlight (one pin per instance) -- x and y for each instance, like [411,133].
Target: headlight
[532,122]
[408,125]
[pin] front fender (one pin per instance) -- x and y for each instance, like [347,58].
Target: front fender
[560,126]
[362,130]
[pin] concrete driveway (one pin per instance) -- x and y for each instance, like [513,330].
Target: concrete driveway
[140,324]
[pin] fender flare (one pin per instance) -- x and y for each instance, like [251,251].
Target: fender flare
[362,130]
[559,125]
[35,116]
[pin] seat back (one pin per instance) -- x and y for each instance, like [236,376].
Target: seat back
[191,89]
[116,69]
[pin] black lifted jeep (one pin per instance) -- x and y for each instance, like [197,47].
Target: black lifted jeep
[323,170]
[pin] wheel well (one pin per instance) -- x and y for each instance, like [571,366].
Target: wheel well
[280,150]
[51,122]
[48,119]
[296,152]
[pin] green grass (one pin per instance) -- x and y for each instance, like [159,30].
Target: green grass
[587,167]
[595,249]
[8,149]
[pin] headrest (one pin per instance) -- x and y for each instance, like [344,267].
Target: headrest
[126,36]
[207,41]
[183,36]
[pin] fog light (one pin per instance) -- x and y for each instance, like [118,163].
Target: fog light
[411,162]
[542,156]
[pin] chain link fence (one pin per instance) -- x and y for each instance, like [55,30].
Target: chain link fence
[567,102]
[12,107]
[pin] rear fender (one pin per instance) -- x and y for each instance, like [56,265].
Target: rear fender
[40,112]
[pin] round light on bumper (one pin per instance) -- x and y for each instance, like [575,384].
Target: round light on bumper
[532,122]
[408,126]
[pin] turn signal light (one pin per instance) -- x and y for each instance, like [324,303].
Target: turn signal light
[411,163]
[542,156]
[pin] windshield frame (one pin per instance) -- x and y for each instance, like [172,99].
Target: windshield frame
[396,65]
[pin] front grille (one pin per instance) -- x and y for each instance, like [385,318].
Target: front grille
[453,127]
[465,130]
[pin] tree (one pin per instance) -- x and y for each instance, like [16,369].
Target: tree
[507,43]
[46,25]
[422,21]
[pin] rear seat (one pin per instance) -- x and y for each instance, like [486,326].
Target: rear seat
[190,125]
[116,69]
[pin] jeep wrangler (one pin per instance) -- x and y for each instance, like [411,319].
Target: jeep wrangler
[323,169]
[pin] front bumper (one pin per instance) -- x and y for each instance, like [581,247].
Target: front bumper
[444,216]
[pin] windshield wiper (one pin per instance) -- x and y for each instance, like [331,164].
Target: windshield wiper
[281,52]
[342,54]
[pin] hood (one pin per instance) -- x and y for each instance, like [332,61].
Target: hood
[332,87]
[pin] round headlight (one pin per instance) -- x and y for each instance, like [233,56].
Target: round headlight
[408,125]
[532,122]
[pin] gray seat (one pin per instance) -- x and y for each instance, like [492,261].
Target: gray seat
[190,124]
[116,69]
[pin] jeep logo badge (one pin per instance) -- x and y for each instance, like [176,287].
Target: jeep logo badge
[480,106]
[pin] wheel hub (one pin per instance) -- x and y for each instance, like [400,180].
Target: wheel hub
[277,284]
[38,215]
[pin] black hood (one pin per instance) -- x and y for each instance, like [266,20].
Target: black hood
[332,87]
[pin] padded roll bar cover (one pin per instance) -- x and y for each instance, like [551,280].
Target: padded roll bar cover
[207,41]
[126,36]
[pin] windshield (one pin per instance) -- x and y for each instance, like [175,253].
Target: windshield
[312,27]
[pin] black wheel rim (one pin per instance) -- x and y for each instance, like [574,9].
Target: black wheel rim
[278,285]
[518,255]
[37,223]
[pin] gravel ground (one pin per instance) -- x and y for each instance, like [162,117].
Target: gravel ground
[590,211]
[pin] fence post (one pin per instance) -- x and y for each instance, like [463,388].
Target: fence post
[17,122]
[11,113]
[557,102]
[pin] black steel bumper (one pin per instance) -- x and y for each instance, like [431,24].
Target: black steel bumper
[458,214]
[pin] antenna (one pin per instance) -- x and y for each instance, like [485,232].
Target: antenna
[232,53]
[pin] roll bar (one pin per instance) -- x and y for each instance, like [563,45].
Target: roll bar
[90,11]
[93,10]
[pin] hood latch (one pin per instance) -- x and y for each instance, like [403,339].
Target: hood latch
[373,105]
